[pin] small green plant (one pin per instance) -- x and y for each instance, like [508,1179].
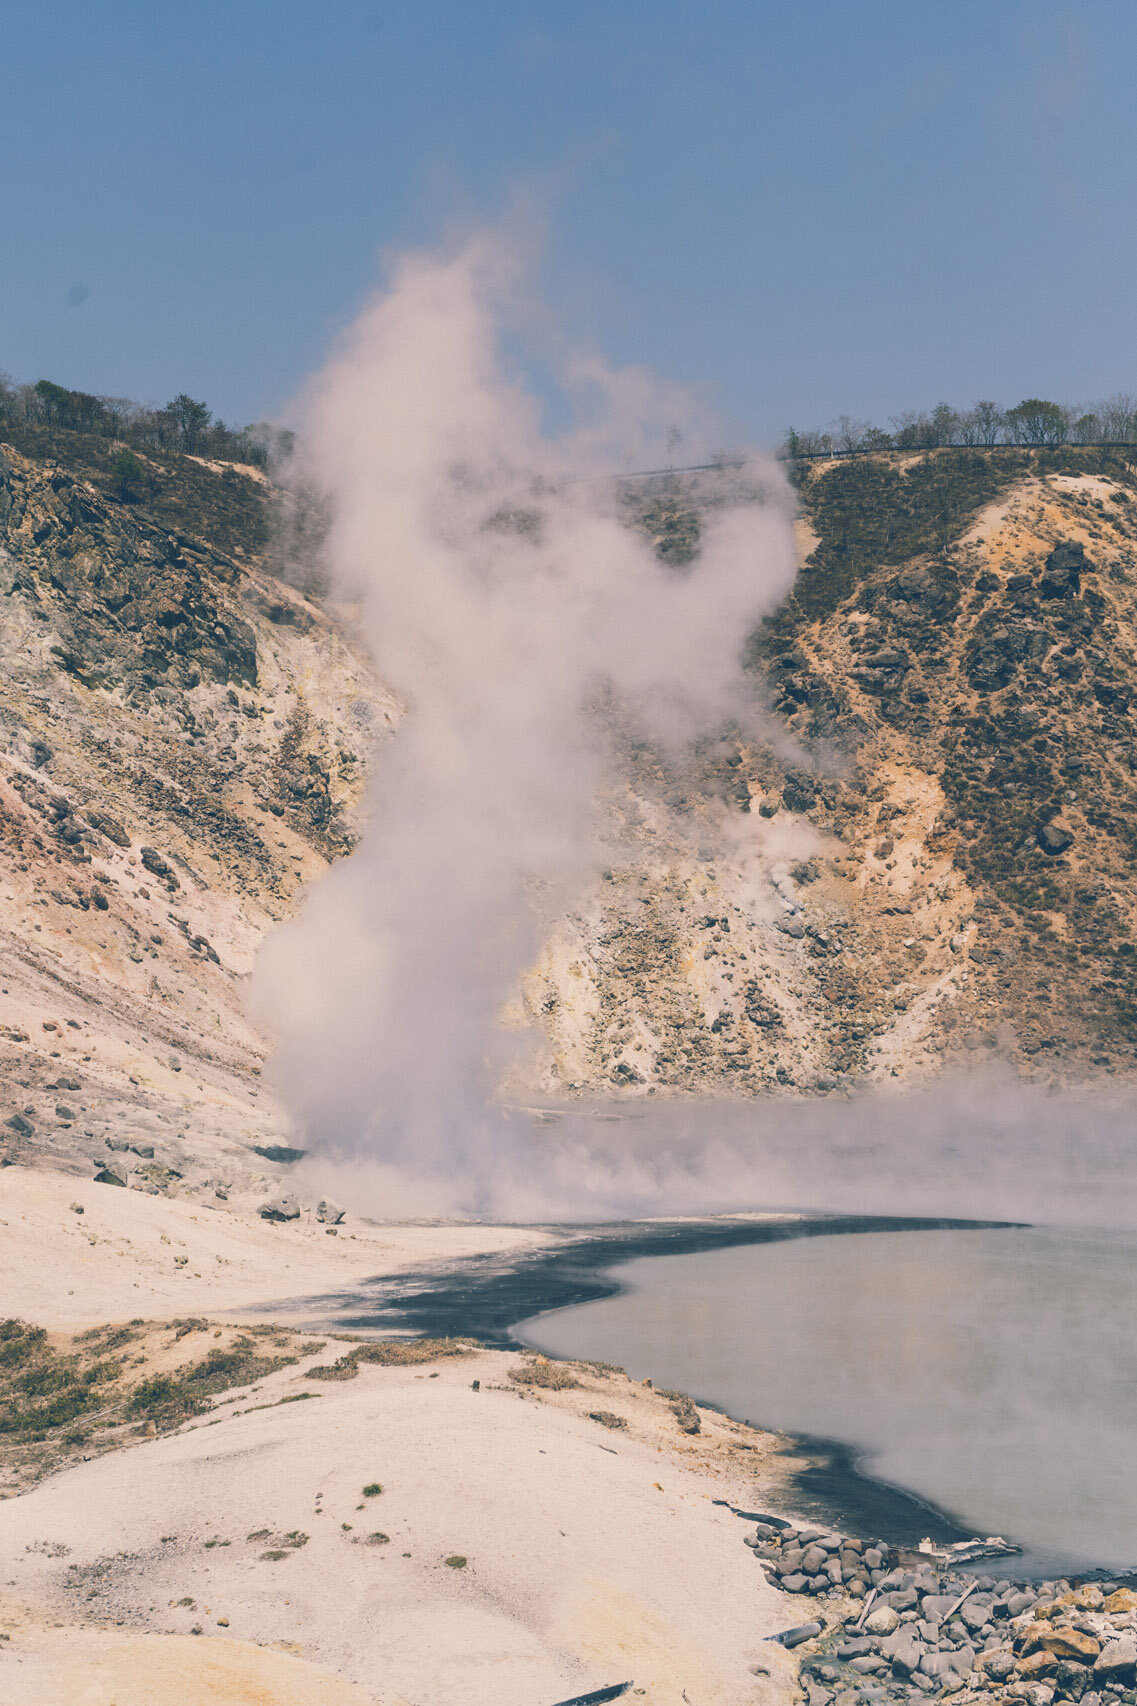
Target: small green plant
[127,475]
[372,1490]
[455,1561]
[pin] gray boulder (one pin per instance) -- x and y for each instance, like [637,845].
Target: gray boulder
[280,1208]
[1117,1661]
[329,1213]
[1053,839]
[903,1651]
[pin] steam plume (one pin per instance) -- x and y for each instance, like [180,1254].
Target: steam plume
[517,616]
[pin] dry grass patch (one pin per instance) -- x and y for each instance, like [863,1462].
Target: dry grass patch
[64,1396]
[554,1376]
[391,1353]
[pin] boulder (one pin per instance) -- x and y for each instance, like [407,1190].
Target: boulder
[1037,1666]
[1071,1680]
[1063,1643]
[975,1612]
[1065,566]
[1053,839]
[110,1173]
[999,1664]
[860,1645]
[329,1213]
[21,1126]
[903,1651]
[882,1620]
[157,866]
[280,1208]
[110,827]
[1117,1661]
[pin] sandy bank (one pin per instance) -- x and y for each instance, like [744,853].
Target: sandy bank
[130,1254]
[592,1554]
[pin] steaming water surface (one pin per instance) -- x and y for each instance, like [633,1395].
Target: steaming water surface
[993,1373]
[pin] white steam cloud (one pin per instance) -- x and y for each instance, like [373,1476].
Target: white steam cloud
[519,618]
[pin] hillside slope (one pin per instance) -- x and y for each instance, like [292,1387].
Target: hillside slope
[921,850]
[182,743]
[933,852]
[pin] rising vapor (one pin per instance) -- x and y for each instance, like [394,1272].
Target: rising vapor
[519,619]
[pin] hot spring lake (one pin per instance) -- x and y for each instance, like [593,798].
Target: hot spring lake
[991,1372]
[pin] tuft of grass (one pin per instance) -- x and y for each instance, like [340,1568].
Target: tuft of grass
[391,1353]
[455,1561]
[372,1490]
[554,1376]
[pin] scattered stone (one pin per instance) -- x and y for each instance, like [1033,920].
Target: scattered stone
[280,1208]
[882,1620]
[157,866]
[1117,1661]
[1053,839]
[1063,1643]
[607,1419]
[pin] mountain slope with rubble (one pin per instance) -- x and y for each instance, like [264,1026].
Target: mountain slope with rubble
[928,847]
[183,739]
[919,851]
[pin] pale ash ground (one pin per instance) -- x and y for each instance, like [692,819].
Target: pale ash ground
[593,1554]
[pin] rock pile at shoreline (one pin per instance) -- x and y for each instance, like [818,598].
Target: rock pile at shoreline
[924,1633]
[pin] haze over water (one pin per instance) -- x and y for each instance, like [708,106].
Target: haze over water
[993,1373]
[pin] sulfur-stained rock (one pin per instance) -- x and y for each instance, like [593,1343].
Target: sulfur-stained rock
[1037,1665]
[1063,1643]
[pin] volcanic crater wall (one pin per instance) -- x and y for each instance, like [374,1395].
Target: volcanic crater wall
[923,855]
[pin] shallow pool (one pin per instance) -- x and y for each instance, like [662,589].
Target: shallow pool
[991,1372]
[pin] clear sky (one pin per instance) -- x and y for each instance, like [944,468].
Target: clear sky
[805,206]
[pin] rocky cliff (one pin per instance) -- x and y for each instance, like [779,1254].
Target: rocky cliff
[182,745]
[933,849]
[925,851]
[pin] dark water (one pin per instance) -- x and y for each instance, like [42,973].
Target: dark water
[992,1372]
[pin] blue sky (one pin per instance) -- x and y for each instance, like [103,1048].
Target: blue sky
[802,207]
